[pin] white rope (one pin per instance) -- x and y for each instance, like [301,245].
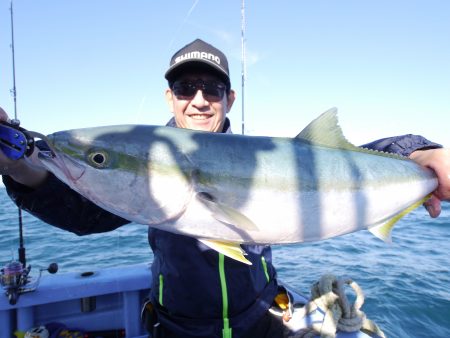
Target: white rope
[328,294]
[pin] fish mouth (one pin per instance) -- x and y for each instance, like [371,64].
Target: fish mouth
[61,165]
[55,161]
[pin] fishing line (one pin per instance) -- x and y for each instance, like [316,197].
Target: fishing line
[184,22]
[188,14]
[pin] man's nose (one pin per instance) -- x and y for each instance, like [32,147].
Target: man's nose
[198,98]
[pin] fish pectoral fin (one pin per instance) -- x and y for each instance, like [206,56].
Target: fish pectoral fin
[226,214]
[383,230]
[232,250]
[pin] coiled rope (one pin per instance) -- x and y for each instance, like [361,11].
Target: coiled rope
[328,294]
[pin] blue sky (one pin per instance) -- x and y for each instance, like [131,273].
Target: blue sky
[384,64]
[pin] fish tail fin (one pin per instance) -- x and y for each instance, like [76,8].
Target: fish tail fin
[383,230]
[232,250]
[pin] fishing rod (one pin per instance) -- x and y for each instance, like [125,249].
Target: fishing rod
[21,250]
[16,143]
[13,90]
[243,65]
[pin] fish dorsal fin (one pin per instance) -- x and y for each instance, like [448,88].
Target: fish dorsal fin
[232,250]
[325,131]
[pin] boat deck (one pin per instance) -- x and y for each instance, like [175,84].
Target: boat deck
[92,300]
[103,300]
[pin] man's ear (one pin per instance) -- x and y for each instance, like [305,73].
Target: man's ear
[230,99]
[169,99]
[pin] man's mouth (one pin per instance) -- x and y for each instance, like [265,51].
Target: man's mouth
[200,116]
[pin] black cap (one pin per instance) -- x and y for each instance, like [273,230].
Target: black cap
[199,55]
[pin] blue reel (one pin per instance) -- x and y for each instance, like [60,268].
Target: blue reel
[15,141]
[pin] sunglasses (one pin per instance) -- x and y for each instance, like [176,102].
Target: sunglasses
[212,91]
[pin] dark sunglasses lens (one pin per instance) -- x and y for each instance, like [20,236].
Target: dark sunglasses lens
[184,89]
[212,91]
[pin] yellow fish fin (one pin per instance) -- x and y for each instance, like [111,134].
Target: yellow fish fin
[325,131]
[232,250]
[226,214]
[383,230]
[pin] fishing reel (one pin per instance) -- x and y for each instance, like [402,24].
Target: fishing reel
[15,142]
[15,279]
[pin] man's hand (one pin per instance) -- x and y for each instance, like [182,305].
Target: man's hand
[439,161]
[7,166]
[25,171]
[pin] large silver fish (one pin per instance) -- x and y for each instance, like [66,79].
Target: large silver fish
[229,189]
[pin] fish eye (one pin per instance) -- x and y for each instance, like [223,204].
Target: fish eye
[98,159]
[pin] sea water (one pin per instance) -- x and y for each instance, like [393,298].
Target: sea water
[406,284]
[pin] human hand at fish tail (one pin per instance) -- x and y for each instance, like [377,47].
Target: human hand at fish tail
[439,161]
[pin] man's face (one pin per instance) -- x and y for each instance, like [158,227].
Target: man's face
[204,109]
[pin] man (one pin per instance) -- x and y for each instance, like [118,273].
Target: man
[196,291]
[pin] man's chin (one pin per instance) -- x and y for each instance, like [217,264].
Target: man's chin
[202,125]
